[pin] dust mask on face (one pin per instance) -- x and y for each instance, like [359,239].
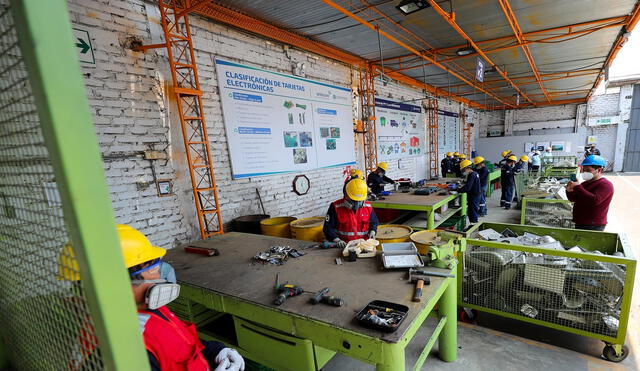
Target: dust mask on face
[160,294]
[586,176]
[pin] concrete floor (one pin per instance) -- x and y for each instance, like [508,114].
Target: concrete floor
[496,343]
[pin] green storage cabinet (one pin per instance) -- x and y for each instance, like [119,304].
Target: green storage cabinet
[585,293]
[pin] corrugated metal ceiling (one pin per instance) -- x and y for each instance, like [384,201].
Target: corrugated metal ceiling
[482,20]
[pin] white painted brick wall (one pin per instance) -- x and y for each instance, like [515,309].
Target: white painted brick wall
[604,105]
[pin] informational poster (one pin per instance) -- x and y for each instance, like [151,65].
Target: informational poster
[400,129]
[449,132]
[277,123]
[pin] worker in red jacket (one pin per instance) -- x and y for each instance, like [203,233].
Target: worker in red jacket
[172,345]
[351,217]
[592,197]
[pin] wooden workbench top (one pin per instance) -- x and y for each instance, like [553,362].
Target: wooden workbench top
[233,274]
[411,199]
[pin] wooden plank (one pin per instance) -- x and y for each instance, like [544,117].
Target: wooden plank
[358,283]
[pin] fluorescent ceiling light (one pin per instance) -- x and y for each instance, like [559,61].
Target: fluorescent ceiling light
[465,51]
[411,6]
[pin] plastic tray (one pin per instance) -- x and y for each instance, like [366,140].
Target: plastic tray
[401,255]
[376,304]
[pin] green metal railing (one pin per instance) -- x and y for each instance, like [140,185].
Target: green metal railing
[65,297]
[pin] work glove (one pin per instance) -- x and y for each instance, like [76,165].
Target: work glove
[372,234]
[452,186]
[229,360]
[339,243]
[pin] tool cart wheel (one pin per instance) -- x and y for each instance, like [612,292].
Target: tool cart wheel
[609,353]
[468,315]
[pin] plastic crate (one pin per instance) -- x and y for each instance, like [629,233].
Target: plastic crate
[547,213]
[455,222]
[585,293]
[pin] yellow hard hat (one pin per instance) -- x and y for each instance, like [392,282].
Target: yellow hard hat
[384,166]
[478,160]
[68,268]
[135,246]
[357,190]
[504,153]
[355,173]
[464,163]
[524,158]
[512,158]
[462,155]
[456,154]
[449,154]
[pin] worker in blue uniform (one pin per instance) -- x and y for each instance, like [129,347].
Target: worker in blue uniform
[446,165]
[377,179]
[459,158]
[483,174]
[507,178]
[472,189]
[522,164]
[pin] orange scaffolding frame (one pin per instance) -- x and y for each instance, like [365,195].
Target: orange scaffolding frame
[368,111]
[432,134]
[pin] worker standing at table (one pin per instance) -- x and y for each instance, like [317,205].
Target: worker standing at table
[351,217]
[504,154]
[536,161]
[592,197]
[377,179]
[171,343]
[446,165]
[592,150]
[522,164]
[472,189]
[483,175]
[507,178]
[547,161]
[461,157]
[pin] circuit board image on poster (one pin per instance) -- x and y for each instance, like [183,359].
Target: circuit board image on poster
[400,130]
[277,123]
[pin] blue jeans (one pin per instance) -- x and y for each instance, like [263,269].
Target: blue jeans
[483,201]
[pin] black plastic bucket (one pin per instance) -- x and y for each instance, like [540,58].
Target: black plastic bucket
[248,223]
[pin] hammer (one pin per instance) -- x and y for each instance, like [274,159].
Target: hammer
[420,281]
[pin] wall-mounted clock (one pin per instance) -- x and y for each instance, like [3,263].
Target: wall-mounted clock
[301,185]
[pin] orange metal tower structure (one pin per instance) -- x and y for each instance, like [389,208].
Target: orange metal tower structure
[186,86]
[466,132]
[368,106]
[432,134]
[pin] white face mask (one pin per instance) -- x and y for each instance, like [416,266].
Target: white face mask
[586,176]
[160,294]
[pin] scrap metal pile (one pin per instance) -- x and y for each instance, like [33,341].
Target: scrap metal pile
[547,214]
[276,255]
[544,188]
[573,292]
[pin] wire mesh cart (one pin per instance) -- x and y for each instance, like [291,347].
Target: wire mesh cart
[571,280]
[547,212]
[560,166]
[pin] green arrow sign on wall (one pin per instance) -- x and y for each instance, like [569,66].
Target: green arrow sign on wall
[83,46]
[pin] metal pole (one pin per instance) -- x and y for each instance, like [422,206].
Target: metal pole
[448,341]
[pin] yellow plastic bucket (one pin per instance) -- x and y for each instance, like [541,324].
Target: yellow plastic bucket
[424,239]
[388,233]
[308,229]
[277,227]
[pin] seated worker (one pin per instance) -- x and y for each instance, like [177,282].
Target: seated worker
[351,217]
[592,197]
[508,180]
[536,161]
[171,343]
[461,157]
[446,165]
[377,179]
[472,189]
[521,164]
[483,175]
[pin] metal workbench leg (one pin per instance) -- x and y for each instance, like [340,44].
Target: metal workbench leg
[431,220]
[448,341]
[393,358]
[463,204]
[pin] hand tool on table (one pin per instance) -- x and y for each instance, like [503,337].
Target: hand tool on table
[324,245]
[322,297]
[420,281]
[429,273]
[209,251]
[286,290]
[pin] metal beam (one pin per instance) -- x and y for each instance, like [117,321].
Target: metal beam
[227,16]
[517,31]
[409,48]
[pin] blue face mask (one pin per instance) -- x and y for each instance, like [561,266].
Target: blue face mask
[355,205]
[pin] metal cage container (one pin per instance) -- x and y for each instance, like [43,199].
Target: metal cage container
[547,212]
[586,293]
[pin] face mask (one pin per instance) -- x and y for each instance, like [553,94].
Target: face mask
[355,205]
[160,294]
[586,176]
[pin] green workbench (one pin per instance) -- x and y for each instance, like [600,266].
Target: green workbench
[238,296]
[427,204]
[492,176]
